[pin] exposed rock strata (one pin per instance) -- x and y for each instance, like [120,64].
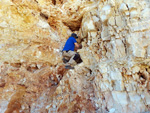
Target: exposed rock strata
[114,75]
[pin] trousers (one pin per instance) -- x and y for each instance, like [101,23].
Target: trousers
[70,55]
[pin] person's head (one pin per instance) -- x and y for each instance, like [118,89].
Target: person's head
[74,35]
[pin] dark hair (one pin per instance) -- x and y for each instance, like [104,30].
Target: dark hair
[74,35]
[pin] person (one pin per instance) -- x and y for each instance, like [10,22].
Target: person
[70,57]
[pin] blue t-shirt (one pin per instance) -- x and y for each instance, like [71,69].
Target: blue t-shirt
[70,44]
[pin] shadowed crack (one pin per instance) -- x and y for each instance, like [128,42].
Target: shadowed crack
[54,2]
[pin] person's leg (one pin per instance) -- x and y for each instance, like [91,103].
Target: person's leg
[72,61]
[65,57]
[77,58]
[72,56]
[69,55]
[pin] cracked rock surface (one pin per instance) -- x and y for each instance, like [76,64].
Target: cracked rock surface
[114,76]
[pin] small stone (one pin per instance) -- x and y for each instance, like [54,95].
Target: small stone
[135,69]
[2,83]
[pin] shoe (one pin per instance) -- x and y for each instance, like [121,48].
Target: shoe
[69,67]
[65,60]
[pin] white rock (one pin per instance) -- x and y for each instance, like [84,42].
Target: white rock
[96,19]
[148,51]
[4,24]
[135,98]
[2,45]
[111,2]
[6,2]
[105,11]
[120,97]
[131,4]
[112,110]
[82,111]
[134,14]
[118,85]
[89,25]
[145,13]
[131,86]
[123,7]
[54,106]
[136,77]
[105,86]
[118,49]
[147,98]
[119,21]
[127,13]
[135,69]
[111,21]
[138,50]
[43,24]
[115,75]
[103,18]
[105,33]
[103,68]
[3,107]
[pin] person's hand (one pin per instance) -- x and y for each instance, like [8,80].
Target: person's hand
[75,49]
[80,46]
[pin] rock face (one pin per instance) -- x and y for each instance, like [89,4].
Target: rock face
[114,74]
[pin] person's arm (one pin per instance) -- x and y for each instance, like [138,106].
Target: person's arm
[77,45]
